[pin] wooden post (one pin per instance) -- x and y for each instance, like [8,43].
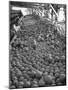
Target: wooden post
[54,10]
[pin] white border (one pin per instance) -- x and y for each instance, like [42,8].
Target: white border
[4,44]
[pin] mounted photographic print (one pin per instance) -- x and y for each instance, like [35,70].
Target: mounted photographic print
[37,44]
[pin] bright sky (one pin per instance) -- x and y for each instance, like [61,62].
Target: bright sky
[23,10]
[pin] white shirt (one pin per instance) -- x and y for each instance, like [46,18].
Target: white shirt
[61,15]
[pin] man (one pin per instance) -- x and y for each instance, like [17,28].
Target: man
[61,15]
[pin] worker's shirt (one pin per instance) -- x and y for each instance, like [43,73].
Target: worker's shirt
[61,15]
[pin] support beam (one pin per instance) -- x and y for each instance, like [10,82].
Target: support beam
[54,10]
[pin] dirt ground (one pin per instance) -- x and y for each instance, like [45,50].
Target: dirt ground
[37,55]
